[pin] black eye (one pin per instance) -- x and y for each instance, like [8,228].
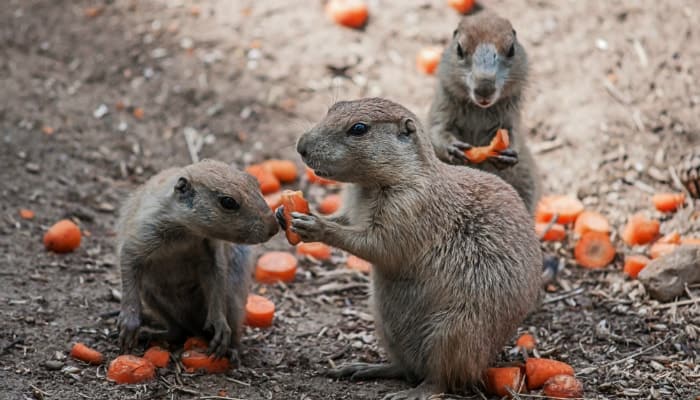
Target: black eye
[511,51]
[460,52]
[229,203]
[358,129]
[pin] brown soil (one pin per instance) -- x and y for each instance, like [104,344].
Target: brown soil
[614,101]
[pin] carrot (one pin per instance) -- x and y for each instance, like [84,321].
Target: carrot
[589,221]
[668,202]
[526,341]
[358,264]
[276,266]
[194,360]
[196,343]
[317,250]
[691,241]
[259,311]
[293,202]
[26,214]
[130,369]
[92,12]
[268,182]
[499,142]
[660,249]
[462,6]
[594,250]
[634,264]
[273,200]
[640,230]
[556,232]
[563,387]
[158,356]
[350,13]
[83,353]
[498,380]
[330,204]
[566,207]
[538,370]
[428,59]
[62,237]
[284,170]
[671,238]
[47,130]
[313,178]
[138,113]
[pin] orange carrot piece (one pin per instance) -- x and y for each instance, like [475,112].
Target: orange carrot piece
[350,13]
[194,360]
[158,356]
[462,6]
[661,249]
[83,353]
[563,387]
[330,204]
[668,202]
[26,214]
[130,369]
[428,59]
[671,238]
[691,241]
[538,370]
[138,113]
[556,232]
[358,264]
[293,201]
[63,237]
[273,200]
[276,266]
[313,178]
[594,250]
[526,341]
[498,380]
[196,343]
[640,230]
[634,264]
[499,142]
[259,311]
[566,207]
[317,250]
[284,170]
[589,221]
[268,182]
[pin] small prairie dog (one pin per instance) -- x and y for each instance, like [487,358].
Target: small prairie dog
[482,75]
[176,255]
[456,263]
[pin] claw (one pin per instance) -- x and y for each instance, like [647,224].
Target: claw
[279,215]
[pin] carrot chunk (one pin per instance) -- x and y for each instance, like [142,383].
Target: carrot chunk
[640,230]
[26,214]
[594,250]
[538,370]
[462,6]
[563,387]
[268,182]
[293,201]
[196,343]
[330,204]
[634,264]
[273,200]
[668,202]
[194,360]
[566,207]
[498,380]
[259,311]
[63,237]
[313,178]
[358,264]
[671,238]
[83,353]
[158,356]
[428,59]
[526,341]
[276,266]
[499,142]
[690,241]
[589,221]
[660,249]
[284,170]
[556,232]
[350,13]
[317,250]
[130,369]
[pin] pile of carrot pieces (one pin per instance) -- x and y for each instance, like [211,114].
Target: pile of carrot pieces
[593,248]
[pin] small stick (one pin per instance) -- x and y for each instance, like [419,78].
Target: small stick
[638,353]
[237,381]
[549,226]
[615,93]
[678,303]
[573,293]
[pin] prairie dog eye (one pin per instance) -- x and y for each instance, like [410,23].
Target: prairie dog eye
[229,203]
[358,129]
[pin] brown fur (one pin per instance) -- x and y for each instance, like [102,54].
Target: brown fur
[175,257]
[456,261]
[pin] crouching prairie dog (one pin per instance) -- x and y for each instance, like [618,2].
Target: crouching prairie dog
[482,76]
[456,263]
[176,257]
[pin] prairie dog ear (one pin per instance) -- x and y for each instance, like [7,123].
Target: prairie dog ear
[182,185]
[408,126]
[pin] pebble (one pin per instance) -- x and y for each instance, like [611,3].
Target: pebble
[100,111]
[53,365]
[32,167]
[665,278]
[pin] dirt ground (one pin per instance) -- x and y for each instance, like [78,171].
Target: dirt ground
[613,103]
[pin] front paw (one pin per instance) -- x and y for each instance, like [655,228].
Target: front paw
[220,343]
[455,153]
[308,226]
[129,324]
[505,159]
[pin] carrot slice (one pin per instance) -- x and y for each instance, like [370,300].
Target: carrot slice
[83,353]
[317,250]
[284,170]
[313,178]
[671,238]
[293,201]
[589,221]
[268,182]
[640,230]
[462,6]
[556,232]
[526,341]
[350,13]
[274,200]
[330,204]
[498,380]
[259,311]
[194,360]
[196,343]
[63,237]
[566,207]
[691,241]
[594,250]
[26,214]
[499,142]
[659,249]
[130,369]
[158,356]
[276,266]
[668,202]
[563,387]
[428,59]
[538,370]
[358,264]
[634,264]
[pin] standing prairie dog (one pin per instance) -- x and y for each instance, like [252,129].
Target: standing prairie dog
[456,263]
[176,258]
[482,75]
